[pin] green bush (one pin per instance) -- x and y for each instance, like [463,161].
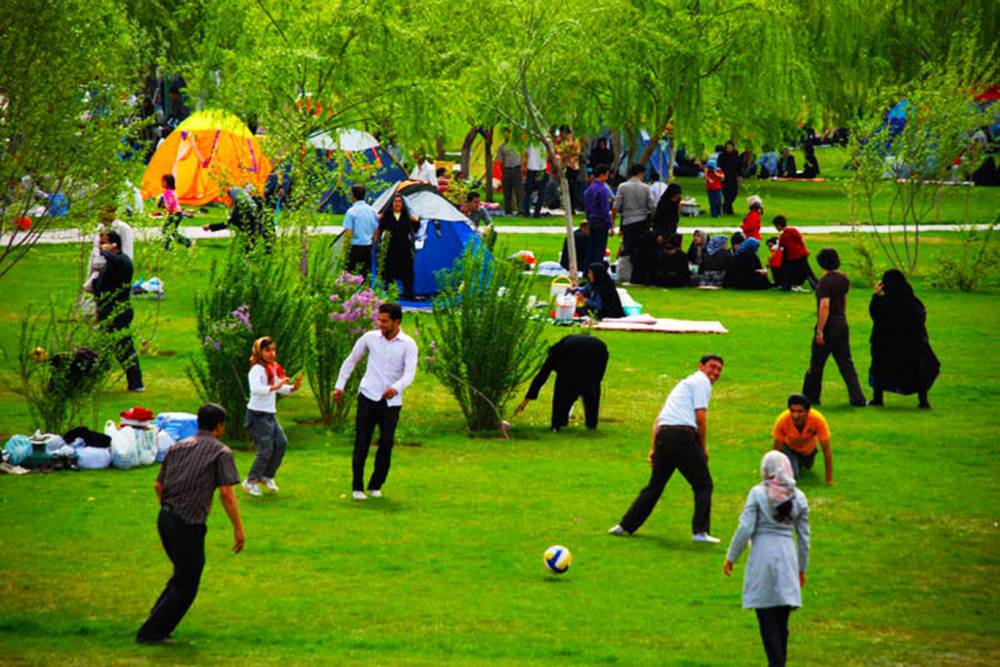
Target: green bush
[484,342]
[972,265]
[248,295]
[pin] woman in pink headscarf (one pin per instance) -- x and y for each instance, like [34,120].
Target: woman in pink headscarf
[776,568]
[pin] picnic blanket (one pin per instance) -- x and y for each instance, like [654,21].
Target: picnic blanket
[650,324]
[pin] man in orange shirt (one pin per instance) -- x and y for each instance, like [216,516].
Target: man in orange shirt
[796,432]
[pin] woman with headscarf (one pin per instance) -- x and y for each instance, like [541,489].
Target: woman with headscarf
[811,169]
[401,228]
[599,297]
[668,212]
[672,264]
[751,222]
[696,251]
[776,568]
[745,270]
[715,262]
[902,359]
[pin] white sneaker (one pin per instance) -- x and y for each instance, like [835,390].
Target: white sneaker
[253,488]
[617,530]
[799,288]
[359,495]
[704,537]
[375,493]
[270,484]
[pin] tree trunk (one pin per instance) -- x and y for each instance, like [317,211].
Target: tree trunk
[559,173]
[670,162]
[488,151]
[616,151]
[439,146]
[466,159]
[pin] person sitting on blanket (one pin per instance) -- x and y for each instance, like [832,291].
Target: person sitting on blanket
[599,297]
[786,164]
[714,263]
[744,270]
[811,163]
[580,238]
[672,264]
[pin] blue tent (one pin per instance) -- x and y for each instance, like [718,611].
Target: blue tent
[355,157]
[444,233]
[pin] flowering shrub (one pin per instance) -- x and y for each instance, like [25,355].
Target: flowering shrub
[484,342]
[252,294]
[343,308]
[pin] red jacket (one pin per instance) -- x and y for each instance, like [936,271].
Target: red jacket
[713,179]
[794,245]
[751,225]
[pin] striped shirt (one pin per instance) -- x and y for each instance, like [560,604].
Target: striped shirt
[191,471]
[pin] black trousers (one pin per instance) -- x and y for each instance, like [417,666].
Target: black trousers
[632,236]
[773,622]
[359,260]
[513,190]
[565,395]
[730,188]
[837,341]
[534,183]
[677,448]
[796,272]
[185,546]
[370,414]
[124,348]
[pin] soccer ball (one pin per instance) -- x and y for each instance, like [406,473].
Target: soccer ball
[557,559]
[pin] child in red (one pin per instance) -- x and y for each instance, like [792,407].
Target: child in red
[751,223]
[713,184]
[774,261]
[795,259]
[171,232]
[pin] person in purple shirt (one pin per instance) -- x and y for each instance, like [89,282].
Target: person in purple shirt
[597,202]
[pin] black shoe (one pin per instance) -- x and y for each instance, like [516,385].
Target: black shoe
[924,406]
[876,403]
[859,404]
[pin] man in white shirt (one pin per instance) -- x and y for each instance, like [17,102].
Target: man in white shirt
[534,158]
[679,435]
[392,365]
[360,223]
[424,171]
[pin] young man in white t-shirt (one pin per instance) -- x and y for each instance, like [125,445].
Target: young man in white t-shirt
[679,435]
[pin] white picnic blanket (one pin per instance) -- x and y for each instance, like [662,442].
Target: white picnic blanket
[650,324]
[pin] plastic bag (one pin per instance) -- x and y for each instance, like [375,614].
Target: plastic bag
[163,444]
[178,425]
[93,458]
[18,448]
[124,452]
[145,442]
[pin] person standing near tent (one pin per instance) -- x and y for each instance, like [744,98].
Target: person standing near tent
[112,291]
[360,225]
[171,227]
[513,183]
[680,435]
[190,473]
[729,163]
[579,363]
[597,200]
[776,567]
[397,228]
[392,366]
[832,335]
[424,171]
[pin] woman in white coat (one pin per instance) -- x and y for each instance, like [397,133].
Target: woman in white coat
[776,567]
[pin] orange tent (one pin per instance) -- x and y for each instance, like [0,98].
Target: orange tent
[208,153]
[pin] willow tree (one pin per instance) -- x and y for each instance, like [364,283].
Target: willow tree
[65,113]
[541,70]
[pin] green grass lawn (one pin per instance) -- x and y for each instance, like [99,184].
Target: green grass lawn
[447,567]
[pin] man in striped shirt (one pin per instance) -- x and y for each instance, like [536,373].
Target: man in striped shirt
[191,471]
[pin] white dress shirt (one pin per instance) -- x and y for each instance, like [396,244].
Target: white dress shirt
[536,161]
[692,393]
[424,172]
[262,399]
[391,363]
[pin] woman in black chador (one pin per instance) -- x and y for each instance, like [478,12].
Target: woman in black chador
[902,359]
[398,228]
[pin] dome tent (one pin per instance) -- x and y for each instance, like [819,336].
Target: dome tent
[444,234]
[356,157]
[208,153]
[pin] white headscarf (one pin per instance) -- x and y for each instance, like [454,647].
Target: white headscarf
[776,473]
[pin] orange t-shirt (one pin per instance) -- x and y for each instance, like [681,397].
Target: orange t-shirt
[804,441]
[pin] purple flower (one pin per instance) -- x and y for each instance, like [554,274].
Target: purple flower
[334,298]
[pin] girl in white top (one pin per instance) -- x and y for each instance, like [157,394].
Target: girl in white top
[267,380]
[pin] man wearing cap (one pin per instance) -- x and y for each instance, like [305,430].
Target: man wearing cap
[796,432]
[679,443]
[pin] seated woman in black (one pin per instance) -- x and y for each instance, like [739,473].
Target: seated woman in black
[811,163]
[643,258]
[745,270]
[902,359]
[696,251]
[598,297]
[672,264]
